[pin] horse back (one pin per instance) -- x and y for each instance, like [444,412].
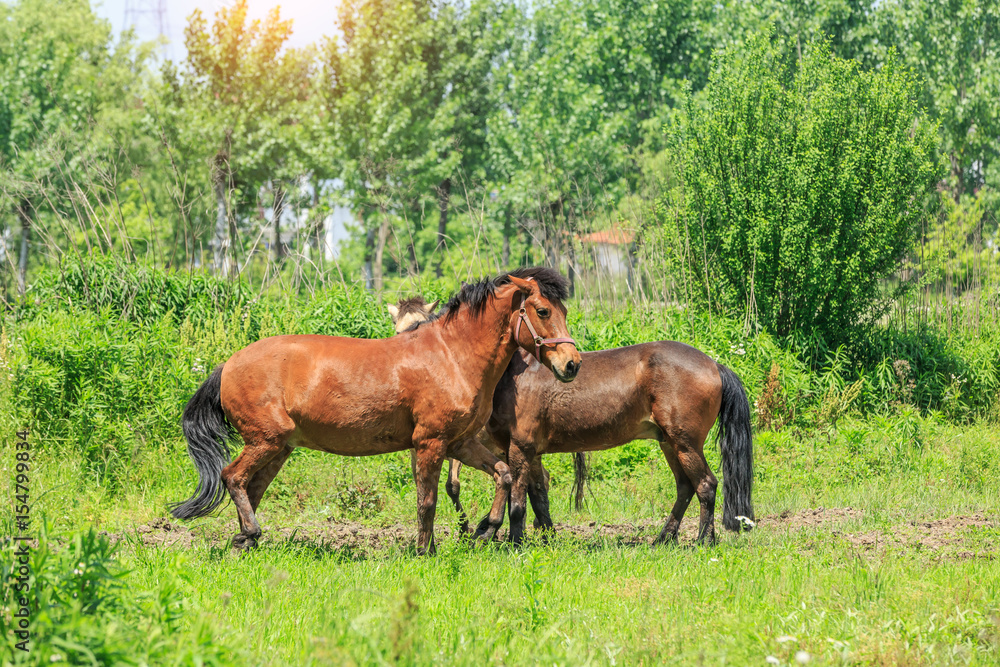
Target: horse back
[326,392]
[612,399]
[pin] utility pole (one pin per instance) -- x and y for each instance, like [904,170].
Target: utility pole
[149,18]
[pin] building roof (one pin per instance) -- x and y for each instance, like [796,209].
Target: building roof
[614,236]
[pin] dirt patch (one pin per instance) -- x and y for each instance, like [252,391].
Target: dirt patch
[951,537]
[811,518]
[159,532]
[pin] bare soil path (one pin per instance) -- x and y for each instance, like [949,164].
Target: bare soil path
[953,537]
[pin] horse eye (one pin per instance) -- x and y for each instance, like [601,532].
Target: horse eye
[542,312]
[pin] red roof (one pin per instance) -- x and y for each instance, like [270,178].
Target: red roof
[615,236]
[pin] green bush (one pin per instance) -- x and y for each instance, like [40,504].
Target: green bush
[801,189]
[84,613]
[134,291]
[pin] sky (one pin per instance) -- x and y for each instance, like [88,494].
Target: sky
[312,19]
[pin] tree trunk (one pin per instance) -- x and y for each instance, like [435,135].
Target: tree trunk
[443,192]
[276,212]
[225,224]
[552,234]
[366,269]
[220,246]
[505,256]
[570,250]
[23,211]
[956,172]
[383,237]
[412,252]
[317,224]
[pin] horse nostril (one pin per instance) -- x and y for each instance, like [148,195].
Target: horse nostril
[571,368]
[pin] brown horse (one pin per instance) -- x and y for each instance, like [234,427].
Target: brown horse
[408,314]
[427,390]
[664,390]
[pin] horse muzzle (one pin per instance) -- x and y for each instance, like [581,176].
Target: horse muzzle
[565,363]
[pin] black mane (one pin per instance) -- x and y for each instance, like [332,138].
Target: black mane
[476,296]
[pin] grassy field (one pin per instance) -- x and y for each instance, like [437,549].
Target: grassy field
[875,494]
[907,575]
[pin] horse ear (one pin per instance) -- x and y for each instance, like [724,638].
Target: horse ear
[393,311]
[524,285]
[431,307]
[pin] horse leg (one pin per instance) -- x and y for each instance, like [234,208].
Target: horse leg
[453,487]
[538,494]
[429,458]
[264,477]
[520,462]
[472,453]
[692,460]
[238,475]
[685,491]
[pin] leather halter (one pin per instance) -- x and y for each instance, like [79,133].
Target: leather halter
[539,341]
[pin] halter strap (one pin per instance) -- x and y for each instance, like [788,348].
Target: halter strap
[539,341]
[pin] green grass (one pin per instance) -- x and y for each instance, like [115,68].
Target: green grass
[590,600]
[572,604]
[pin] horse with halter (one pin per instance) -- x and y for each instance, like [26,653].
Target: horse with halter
[664,390]
[429,390]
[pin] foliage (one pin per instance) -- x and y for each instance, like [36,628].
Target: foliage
[83,612]
[802,191]
[234,110]
[954,48]
[58,71]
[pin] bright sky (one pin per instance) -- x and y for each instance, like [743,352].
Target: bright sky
[312,19]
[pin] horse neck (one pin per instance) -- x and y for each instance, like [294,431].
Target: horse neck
[482,346]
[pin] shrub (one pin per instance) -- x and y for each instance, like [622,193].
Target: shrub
[84,613]
[802,189]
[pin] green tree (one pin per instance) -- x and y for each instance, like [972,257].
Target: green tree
[62,77]
[233,109]
[408,88]
[954,46]
[803,190]
[586,83]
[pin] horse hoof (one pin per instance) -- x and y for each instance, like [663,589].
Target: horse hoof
[244,543]
[485,536]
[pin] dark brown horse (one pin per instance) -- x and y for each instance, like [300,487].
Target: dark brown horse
[429,390]
[664,390]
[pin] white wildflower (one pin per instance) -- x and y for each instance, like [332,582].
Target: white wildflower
[802,657]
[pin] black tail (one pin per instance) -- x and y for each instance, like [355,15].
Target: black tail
[736,443]
[208,434]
